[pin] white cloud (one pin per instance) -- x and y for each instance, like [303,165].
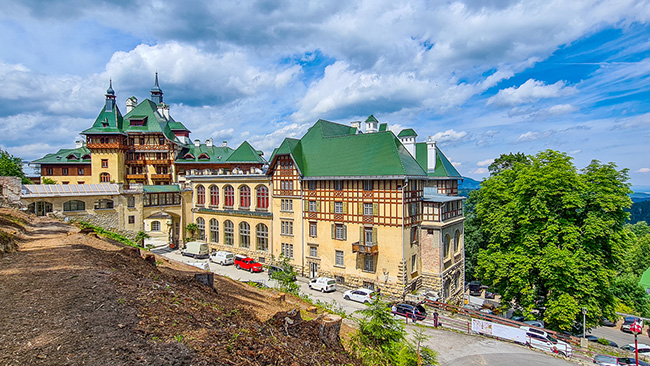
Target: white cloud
[449,136]
[456,163]
[531,91]
[643,170]
[485,162]
[479,171]
[528,136]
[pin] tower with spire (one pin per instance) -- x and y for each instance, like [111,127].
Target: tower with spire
[156,92]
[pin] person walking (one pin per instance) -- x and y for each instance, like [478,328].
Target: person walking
[435,319]
[415,314]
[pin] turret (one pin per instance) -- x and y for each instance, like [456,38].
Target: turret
[156,92]
[110,97]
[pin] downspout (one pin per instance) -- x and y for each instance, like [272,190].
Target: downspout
[406,180]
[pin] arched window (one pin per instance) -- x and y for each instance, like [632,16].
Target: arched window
[103,204]
[229,196]
[262,197]
[200,222]
[200,195]
[244,235]
[456,241]
[262,236]
[214,195]
[155,226]
[104,177]
[244,197]
[447,245]
[228,232]
[214,230]
[74,206]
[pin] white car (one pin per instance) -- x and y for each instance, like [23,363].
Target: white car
[360,295]
[322,284]
[222,257]
[644,349]
[544,341]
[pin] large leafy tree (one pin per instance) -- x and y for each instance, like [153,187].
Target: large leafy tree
[11,166]
[554,235]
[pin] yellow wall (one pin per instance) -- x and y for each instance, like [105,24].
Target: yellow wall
[71,179]
[116,167]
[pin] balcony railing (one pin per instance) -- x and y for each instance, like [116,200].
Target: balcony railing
[114,145]
[161,176]
[159,161]
[136,176]
[135,162]
[365,249]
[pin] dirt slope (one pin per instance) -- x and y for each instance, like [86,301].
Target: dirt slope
[72,299]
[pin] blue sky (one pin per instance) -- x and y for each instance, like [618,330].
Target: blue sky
[482,78]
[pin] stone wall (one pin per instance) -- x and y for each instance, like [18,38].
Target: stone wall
[106,219]
[10,190]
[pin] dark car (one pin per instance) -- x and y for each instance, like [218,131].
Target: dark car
[608,323]
[272,269]
[406,310]
[475,288]
[489,293]
[592,338]
[631,361]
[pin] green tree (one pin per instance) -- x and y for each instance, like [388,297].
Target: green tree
[48,181]
[286,278]
[554,235]
[192,229]
[140,237]
[475,240]
[627,289]
[11,166]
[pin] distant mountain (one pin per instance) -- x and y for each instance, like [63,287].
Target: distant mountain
[640,196]
[640,211]
[467,185]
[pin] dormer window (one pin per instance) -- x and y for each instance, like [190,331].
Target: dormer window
[86,157]
[72,157]
[204,156]
[138,121]
[188,156]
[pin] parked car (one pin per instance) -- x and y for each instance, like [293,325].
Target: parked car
[247,263]
[323,284]
[628,321]
[363,295]
[644,349]
[630,361]
[196,249]
[222,257]
[407,310]
[475,288]
[561,347]
[535,323]
[273,269]
[606,360]
[608,323]
[593,338]
[489,293]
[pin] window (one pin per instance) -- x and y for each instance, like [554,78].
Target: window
[228,232]
[200,195]
[244,197]
[74,206]
[367,185]
[338,185]
[103,204]
[64,182]
[214,230]
[80,171]
[413,263]
[287,250]
[262,235]
[368,237]
[200,222]
[456,241]
[214,195]
[338,207]
[338,255]
[286,185]
[339,232]
[262,197]
[244,235]
[130,201]
[131,219]
[155,226]
[104,163]
[80,182]
[313,206]
[367,209]
[64,171]
[311,185]
[104,177]
[414,234]
[369,263]
[49,171]
[286,205]
[229,196]
[446,245]
[313,229]
[286,228]
[313,251]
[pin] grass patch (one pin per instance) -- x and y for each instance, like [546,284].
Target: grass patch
[109,234]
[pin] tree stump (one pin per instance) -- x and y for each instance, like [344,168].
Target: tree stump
[312,309]
[328,330]
[281,297]
[150,258]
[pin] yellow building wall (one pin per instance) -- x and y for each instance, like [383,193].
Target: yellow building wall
[71,179]
[116,167]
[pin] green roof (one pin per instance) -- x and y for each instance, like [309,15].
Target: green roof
[444,168]
[332,149]
[161,188]
[407,132]
[383,127]
[645,279]
[106,122]
[154,122]
[215,154]
[177,126]
[66,156]
[371,118]
[245,154]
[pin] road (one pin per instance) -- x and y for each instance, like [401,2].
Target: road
[454,348]
[615,335]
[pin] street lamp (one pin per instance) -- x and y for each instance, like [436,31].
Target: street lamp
[584,321]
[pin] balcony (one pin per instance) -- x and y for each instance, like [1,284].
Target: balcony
[99,145]
[135,162]
[136,176]
[159,161]
[365,249]
[161,176]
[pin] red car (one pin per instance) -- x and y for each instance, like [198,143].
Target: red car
[247,263]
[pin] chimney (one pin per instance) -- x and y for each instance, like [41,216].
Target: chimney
[161,110]
[166,111]
[78,144]
[431,155]
[208,142]
[197,142]
[224,143]
[131,103]
[356,124]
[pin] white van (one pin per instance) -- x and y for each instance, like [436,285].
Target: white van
[196,249]
[222,257]
[323,284]
[546,342]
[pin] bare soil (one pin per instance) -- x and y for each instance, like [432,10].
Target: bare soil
[68,298]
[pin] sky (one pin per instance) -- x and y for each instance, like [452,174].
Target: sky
[480,77]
